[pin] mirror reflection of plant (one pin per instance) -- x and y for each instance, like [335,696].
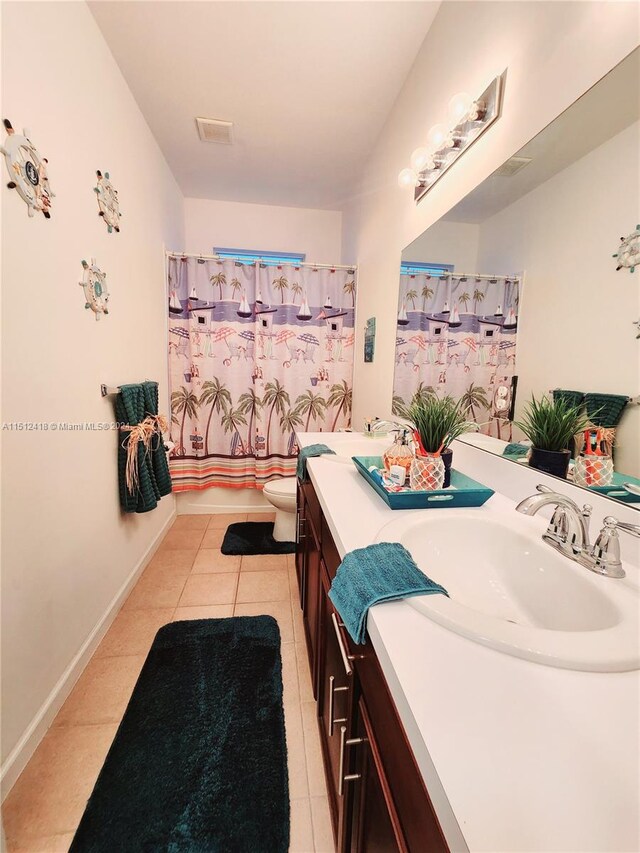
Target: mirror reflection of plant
[551,424]
[437,421]
[473,397]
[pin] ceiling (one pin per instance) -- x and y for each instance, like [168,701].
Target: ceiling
[308,85]
[600,114]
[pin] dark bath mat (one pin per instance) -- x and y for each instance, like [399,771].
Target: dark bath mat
[254,537]
[199,761]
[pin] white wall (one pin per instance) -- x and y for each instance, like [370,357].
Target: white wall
[447,243]
[66,549]
[267,228]
[575,318]
[553,52]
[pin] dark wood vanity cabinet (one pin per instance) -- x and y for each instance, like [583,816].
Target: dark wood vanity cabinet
[377,799]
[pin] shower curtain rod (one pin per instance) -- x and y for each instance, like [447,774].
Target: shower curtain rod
[293,263]
[471,276]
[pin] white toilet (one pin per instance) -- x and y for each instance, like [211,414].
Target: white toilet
[282,494]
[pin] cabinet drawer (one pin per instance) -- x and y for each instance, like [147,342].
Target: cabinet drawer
[329,551]
[420,826]
[313,513]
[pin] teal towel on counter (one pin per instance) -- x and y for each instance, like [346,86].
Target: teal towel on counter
[368,576]
[308,453]
[515,450]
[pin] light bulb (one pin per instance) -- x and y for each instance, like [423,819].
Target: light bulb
[459,107]
[408,178]
[437,137]
[420,159]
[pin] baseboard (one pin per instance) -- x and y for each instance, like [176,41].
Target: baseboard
[19,756]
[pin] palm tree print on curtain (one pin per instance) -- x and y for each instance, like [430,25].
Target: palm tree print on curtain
[254,355]
[458,340]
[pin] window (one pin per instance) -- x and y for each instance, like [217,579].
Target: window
[270,259]
[436,270]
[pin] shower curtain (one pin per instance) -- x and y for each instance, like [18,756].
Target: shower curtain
[457,336]
[255,351]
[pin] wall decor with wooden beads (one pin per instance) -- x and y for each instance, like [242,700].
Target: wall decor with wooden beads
[27,171]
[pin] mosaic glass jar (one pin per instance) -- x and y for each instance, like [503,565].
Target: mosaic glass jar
[426,473]
[591,470]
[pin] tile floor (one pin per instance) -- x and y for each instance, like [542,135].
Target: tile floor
[188,578]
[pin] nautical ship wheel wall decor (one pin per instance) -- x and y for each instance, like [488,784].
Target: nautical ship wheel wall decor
[108,205]
[27,171]
[94,282]
[628,253]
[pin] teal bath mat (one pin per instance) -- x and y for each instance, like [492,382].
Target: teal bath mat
[199,762]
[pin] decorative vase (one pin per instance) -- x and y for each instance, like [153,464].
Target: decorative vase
[554,462]
[447,458]
[592,470]
[426,473]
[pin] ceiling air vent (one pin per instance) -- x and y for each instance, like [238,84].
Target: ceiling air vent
[214,130]
[513,166]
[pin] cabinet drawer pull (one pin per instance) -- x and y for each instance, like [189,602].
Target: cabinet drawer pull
[351,777]
[345,657]
[332,691]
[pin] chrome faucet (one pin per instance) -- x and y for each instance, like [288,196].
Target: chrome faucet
[568,532]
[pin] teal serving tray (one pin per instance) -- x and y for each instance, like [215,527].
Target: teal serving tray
[615,490]
[463,490]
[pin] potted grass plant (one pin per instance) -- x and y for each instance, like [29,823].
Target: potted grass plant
[436,423]
[550,426]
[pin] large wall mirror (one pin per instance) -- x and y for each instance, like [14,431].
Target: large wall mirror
[514,293]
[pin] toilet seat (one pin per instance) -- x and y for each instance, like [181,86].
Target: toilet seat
[285,487]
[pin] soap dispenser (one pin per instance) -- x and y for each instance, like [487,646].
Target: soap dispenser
[399,453]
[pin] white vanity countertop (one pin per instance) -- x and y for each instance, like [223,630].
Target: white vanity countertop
[517,756]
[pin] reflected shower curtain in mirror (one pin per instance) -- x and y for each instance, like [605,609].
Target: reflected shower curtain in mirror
[457,336]
[255,351]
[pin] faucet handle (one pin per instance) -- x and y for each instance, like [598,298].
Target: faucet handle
[633,529]
[605,554]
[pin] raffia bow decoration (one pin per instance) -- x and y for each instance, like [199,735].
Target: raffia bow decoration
[143,432]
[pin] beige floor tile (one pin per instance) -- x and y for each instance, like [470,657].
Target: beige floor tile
[52,792]
[181,539]
[102,691]
[291,562]
[156,590]
[209,560]
[263,586]
[191,522]
[221,520]
[290,673]
[280,610]
[313,751]
[264,563]
[304,673]
[213,538]
[296,756]
[322,830]
[132,632]
[219,588]
[294,589]
[261,516]
[176,560]
[205,611]
[49,844]
[301,827]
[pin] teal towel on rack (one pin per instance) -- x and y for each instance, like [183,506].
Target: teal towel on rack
[133,404]
[605,410]
[569,398]
[308,453]
[368,576]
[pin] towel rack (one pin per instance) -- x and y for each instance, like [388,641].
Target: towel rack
[106,390]
[631,401]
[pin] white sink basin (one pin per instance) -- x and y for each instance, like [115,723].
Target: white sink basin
[358,445]
[511,591]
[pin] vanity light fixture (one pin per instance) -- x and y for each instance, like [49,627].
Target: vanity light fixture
[467,121]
